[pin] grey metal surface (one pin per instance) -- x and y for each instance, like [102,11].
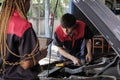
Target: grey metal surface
[46,74]
[103,19]
[102,77]
[85,67]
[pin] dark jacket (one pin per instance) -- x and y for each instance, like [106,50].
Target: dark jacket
[21,40]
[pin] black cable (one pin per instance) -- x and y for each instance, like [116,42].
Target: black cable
[118,67]
[51,36]
[106,67]
[54,16]
[0,3]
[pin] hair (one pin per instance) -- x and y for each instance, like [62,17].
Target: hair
[68,20]
[8,7]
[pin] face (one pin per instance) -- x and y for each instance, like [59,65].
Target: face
[67,31]
[27,5]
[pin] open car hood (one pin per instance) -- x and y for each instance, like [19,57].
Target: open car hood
[103,19]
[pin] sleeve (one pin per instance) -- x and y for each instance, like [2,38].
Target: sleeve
[28,42]
[88,33]
[56,41]
[0,62]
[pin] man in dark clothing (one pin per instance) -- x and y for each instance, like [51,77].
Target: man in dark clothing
[73,39]
[18,42]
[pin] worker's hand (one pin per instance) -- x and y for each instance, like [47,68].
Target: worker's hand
[28,63]
[25,64]
[88,57]
[76,61]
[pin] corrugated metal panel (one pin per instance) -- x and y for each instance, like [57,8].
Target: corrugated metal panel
[103,19]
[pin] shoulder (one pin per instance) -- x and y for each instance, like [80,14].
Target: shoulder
[58,30]
[80,25]
[59,34]
[18,26]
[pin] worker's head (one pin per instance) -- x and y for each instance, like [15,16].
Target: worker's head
[68,22]
[9,6]
[27,5]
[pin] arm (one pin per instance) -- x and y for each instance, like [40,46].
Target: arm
[75,60]
[89,55]
[64,53]
[88,37]
[28,45]
[25,64]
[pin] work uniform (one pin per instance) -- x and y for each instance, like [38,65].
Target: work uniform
[74,44]
[21,40]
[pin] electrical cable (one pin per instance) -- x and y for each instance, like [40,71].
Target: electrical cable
[51,35]
[106,67]
[54,16]
[118,67]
